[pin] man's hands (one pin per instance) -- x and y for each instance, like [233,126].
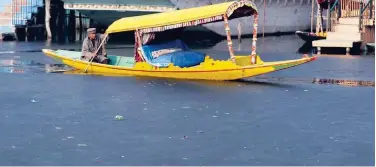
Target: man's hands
[92,55]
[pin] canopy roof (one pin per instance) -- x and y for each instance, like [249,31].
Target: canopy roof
[184,17]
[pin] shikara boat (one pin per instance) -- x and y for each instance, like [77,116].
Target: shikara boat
[309,37]
[173,59]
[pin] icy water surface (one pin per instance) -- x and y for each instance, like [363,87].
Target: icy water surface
[61,119]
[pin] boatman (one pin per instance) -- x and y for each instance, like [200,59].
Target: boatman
[91,44]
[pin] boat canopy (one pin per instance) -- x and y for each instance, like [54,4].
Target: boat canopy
[184,18]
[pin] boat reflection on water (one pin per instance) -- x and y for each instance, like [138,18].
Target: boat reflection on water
[11,70]
[16,66]
[259,81]
[306,48]
[80,72]
[13,62]
[20,66]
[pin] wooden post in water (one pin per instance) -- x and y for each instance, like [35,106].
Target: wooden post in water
[47,18]
[61,26]
[312,12]
[263,25]
[328,17]
[80,20]
[72,25]
[239,32]
[317,18]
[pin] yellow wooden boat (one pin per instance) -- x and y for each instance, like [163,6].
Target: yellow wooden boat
[173,59]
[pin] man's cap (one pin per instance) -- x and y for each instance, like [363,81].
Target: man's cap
[91,30]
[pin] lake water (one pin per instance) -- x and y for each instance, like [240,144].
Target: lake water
[61,119]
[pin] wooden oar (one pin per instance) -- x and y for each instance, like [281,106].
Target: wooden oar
[96,52]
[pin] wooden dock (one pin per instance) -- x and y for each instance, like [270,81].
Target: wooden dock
[344,35]
[351,31]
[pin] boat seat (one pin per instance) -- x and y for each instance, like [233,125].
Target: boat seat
[175,52]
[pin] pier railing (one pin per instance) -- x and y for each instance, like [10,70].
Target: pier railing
[364,9]
[367,14]
[367,22]
[351,8]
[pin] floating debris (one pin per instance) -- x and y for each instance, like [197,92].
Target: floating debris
[199,131]
[34,101]
[184,158]
[185,137]
[122,156]
[58,128]
[70,137]
[214,116]
[81,145]
[286,90]
[185,107]
[227,113]
[119,117]
[3,52]
[145,109]
[305,90]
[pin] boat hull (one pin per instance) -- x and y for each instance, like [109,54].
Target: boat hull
[309,38]
[208,70]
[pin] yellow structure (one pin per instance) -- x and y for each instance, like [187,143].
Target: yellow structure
[140,65]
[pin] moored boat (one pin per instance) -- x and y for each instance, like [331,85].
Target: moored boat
[320,33]
[309,37]
[172,58]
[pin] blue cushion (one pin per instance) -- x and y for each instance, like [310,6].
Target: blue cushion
[175,52]
[158,49]
[181,58]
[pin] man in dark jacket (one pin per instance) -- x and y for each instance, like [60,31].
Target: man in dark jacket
[91,44]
